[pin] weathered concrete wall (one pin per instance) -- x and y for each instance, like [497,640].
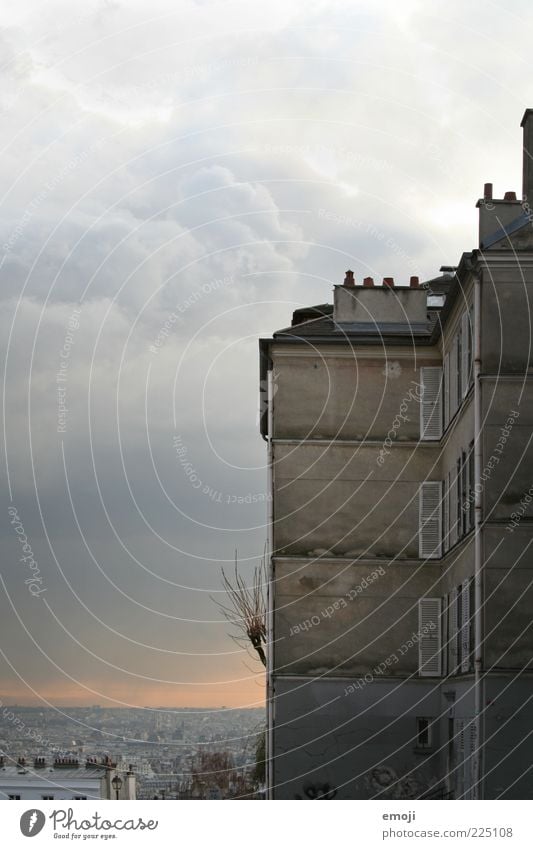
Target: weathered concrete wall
[348,395]
[508,749]
[378,304]
[356,743]
[338,498]
[508,415]
[508,581]
[506,317]
[337,617]
[457,565]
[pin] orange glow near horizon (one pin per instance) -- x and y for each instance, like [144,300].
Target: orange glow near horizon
[247,694]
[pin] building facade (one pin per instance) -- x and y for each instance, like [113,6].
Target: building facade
[398,423]
[64,778]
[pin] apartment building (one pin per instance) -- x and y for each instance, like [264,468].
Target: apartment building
[398,422]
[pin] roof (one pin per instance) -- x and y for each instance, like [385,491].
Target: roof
[16,775]
[315,324]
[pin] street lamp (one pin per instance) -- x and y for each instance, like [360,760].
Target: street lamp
[117,784]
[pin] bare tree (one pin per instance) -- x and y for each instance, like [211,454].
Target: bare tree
[246,607]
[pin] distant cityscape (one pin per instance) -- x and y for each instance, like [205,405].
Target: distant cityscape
[173,753]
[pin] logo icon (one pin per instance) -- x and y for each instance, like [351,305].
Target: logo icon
[32,822]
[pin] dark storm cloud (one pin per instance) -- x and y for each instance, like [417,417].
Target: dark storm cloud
[173,185]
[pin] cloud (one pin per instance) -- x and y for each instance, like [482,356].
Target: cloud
[186,178]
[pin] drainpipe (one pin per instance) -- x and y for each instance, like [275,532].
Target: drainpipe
[270,595]
[477,758]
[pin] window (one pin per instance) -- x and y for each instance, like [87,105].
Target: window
[79,798]
[431,403]
[452,631]
[430,520]
[459,366]
[429,632]
[424,732]
[458,499]
[465,625]
[47,797]
[460,604]
[446,514]
[12,796]
[471,490]
[446,390]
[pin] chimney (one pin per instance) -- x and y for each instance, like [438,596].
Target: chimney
[487,191]
[509,196]
[388,281]
[414,282]
[348,280]
[368,281]
[527,169]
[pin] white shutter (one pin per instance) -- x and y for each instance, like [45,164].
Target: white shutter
[431,404]
[464,352]
[446,390]
[445,515]
[430,519]
[453,378]
[465,626]
[429,632]
[452,631]
[452,507]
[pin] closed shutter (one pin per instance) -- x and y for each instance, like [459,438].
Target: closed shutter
[452,632]
[461,751]
[445,515]
[429,631]
[465,626]
[453,379]
[446,390]
[430,519]
[465,352]
[431,404]
[454,489]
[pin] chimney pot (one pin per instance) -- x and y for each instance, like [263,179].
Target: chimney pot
[368,281]
[388,281]
[348,280]
[487,191]
[509,196]
[414,282]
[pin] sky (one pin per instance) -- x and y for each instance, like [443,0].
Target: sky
[177,178]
